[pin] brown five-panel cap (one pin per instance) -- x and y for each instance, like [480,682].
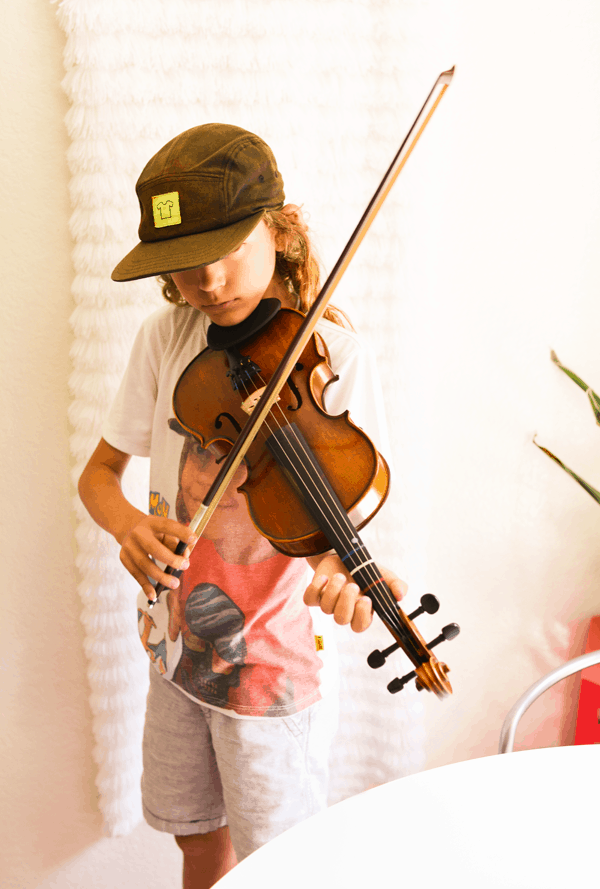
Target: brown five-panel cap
[200,196]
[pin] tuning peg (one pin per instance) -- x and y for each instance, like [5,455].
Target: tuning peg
[450,631]
[377,658]
[397,685]
[428,604]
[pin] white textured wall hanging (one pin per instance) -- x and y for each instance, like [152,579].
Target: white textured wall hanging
[326,84]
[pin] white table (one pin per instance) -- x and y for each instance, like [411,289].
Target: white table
[528,820]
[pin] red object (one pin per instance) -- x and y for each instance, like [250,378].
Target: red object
[587,727]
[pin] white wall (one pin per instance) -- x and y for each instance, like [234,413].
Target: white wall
[509,269]
[46,740]
[511,539]
[48,811]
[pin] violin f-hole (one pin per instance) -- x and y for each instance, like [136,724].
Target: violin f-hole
[232,420]
[297,395]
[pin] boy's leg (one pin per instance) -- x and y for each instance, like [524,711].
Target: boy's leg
[181,788]
[274,771]
[206,858]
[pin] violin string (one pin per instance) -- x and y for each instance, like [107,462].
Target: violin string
[384,596]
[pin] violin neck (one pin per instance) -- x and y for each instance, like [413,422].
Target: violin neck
[292,452]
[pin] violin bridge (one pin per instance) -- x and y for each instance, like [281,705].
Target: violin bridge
[250,403]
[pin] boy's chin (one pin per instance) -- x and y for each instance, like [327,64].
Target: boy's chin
[229,316]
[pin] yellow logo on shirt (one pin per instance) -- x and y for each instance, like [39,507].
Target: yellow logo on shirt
[158,505]
[319,644]
[166,209]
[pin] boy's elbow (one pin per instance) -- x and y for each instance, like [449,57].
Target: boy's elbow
[88,480]
[82,484]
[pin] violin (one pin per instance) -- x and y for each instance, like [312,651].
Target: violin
[256,394]
[219,389]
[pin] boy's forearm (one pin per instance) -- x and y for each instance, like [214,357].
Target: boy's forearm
[101,494]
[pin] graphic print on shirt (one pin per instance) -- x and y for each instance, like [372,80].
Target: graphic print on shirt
[214,649]
[156,652]
[235,634]
[158,505]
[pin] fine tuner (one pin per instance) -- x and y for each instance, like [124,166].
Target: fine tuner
[430,605]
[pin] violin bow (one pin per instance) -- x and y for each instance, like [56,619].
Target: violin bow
[314,315]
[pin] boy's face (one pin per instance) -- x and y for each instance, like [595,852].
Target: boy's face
[229,290]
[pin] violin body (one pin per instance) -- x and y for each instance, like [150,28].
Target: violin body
[206,404]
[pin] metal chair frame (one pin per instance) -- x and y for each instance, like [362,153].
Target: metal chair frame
[509,727]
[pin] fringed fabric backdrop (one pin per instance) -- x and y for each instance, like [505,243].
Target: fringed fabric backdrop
[332,87]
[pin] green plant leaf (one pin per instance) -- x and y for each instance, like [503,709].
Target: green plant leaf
[593,398]
[591,491]
[595,402]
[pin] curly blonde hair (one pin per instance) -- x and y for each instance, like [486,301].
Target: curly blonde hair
[296,264]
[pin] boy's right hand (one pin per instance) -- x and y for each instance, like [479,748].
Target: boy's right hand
[144,539]
[153,539]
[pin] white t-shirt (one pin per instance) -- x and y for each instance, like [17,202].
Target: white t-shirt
[236,635]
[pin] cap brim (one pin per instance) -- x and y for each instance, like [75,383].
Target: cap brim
[152,258]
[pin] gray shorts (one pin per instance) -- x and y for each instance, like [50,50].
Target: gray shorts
[204,769]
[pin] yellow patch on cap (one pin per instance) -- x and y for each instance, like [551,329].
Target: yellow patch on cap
[319,644]
[166,209]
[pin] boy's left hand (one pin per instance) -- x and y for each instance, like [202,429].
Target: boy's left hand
[334,591]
